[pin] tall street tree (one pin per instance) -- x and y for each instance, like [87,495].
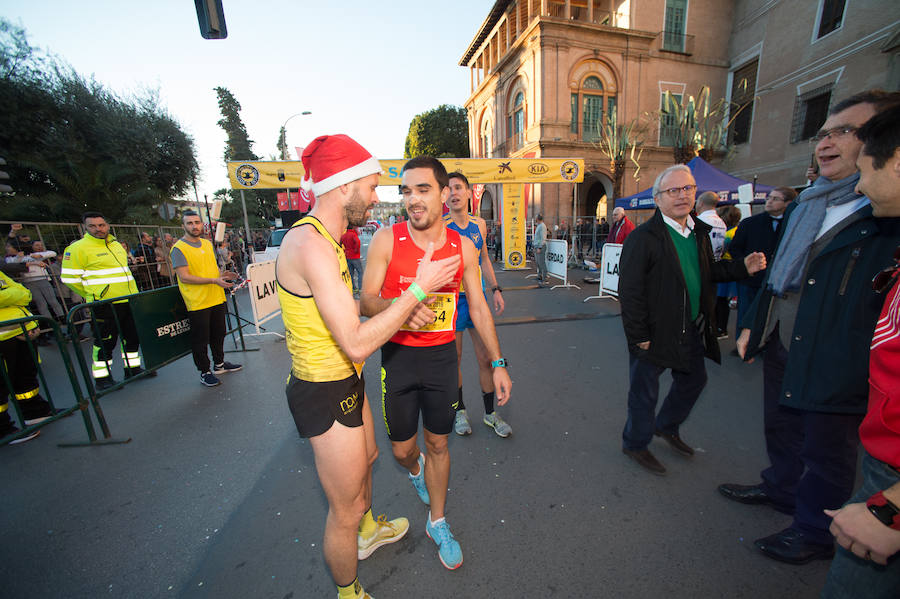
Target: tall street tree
[441,132]
[239,146]
[73,145]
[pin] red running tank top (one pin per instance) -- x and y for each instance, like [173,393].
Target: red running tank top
[401,272]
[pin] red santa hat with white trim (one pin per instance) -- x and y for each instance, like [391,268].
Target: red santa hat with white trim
[330,161]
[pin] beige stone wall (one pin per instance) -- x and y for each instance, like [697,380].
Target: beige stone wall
[791,62]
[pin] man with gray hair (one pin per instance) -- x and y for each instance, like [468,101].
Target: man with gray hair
[666,276]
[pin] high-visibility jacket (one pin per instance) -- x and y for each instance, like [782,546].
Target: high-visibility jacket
[13,299]
[97,269]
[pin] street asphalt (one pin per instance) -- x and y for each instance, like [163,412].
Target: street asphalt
[216,495]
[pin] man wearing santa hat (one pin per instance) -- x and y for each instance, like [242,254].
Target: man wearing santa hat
[328,343]
[419,364]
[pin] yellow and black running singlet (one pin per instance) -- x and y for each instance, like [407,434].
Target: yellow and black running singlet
[315,355]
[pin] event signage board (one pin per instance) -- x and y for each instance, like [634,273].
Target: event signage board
[263,293]
[162,324]
[557,256]
[288,174]
[609,264]
[513,214]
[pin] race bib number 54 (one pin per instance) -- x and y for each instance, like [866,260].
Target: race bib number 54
[444,308]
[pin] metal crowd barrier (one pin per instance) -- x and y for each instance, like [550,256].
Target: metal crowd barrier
[81,403]
[163,331]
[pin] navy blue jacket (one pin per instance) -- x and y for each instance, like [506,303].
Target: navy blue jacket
[828,360]
[653,294]
[754,234]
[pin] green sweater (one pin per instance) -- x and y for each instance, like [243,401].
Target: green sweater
[686,247]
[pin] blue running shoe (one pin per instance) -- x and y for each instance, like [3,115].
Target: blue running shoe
[448,549]
[418,481]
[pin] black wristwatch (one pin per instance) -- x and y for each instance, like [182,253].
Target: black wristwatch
[886,512]
[497,288]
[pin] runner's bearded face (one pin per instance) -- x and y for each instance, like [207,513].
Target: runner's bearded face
[362,199]
[422,197]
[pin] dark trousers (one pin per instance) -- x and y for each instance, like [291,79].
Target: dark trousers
[114,320]
[208,329]
[643,396]
[20,366]
[746,295]
[812,454]
[354,265]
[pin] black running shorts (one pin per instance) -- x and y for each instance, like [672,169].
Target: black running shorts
[414,380]
[315,406]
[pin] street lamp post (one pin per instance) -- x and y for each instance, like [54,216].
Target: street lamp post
[284,151]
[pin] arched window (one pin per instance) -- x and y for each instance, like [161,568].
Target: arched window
[486,147]
[591,106]
[516,122]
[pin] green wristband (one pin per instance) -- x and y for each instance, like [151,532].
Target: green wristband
[417,291]
[394,300]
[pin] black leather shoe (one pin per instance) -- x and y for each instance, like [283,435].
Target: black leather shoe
[646,460]
[793,547]
[752,494]
[102,384]
[677,444]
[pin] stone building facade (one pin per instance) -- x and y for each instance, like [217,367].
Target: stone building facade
[543,72]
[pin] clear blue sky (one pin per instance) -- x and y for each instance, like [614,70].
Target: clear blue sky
[362,68]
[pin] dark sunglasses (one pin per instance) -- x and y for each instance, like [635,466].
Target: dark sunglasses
[883,280]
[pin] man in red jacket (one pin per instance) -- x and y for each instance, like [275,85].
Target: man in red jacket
[622,227]
[868,527]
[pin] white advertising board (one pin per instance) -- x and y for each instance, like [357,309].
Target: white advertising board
[609,272]
[263,296]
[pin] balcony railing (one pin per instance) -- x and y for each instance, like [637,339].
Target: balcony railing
[671,41]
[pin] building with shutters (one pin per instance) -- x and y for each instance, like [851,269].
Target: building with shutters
[544,72]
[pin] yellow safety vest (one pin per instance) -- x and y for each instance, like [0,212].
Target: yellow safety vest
[201,263]
[13,299]
[97,269]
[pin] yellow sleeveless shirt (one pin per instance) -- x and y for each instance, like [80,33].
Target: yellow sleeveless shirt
[315,355]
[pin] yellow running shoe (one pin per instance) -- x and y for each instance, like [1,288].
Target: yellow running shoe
[387,531]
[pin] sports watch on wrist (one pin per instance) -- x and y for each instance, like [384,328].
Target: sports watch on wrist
[501,363]
[886,512]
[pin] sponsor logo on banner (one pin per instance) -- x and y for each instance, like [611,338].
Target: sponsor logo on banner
[247,175]
[569,170]
[173,329]
[287,174]
[513,226]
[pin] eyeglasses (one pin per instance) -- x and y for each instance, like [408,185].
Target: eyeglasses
[674,191]
[883,280]
[832,133]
